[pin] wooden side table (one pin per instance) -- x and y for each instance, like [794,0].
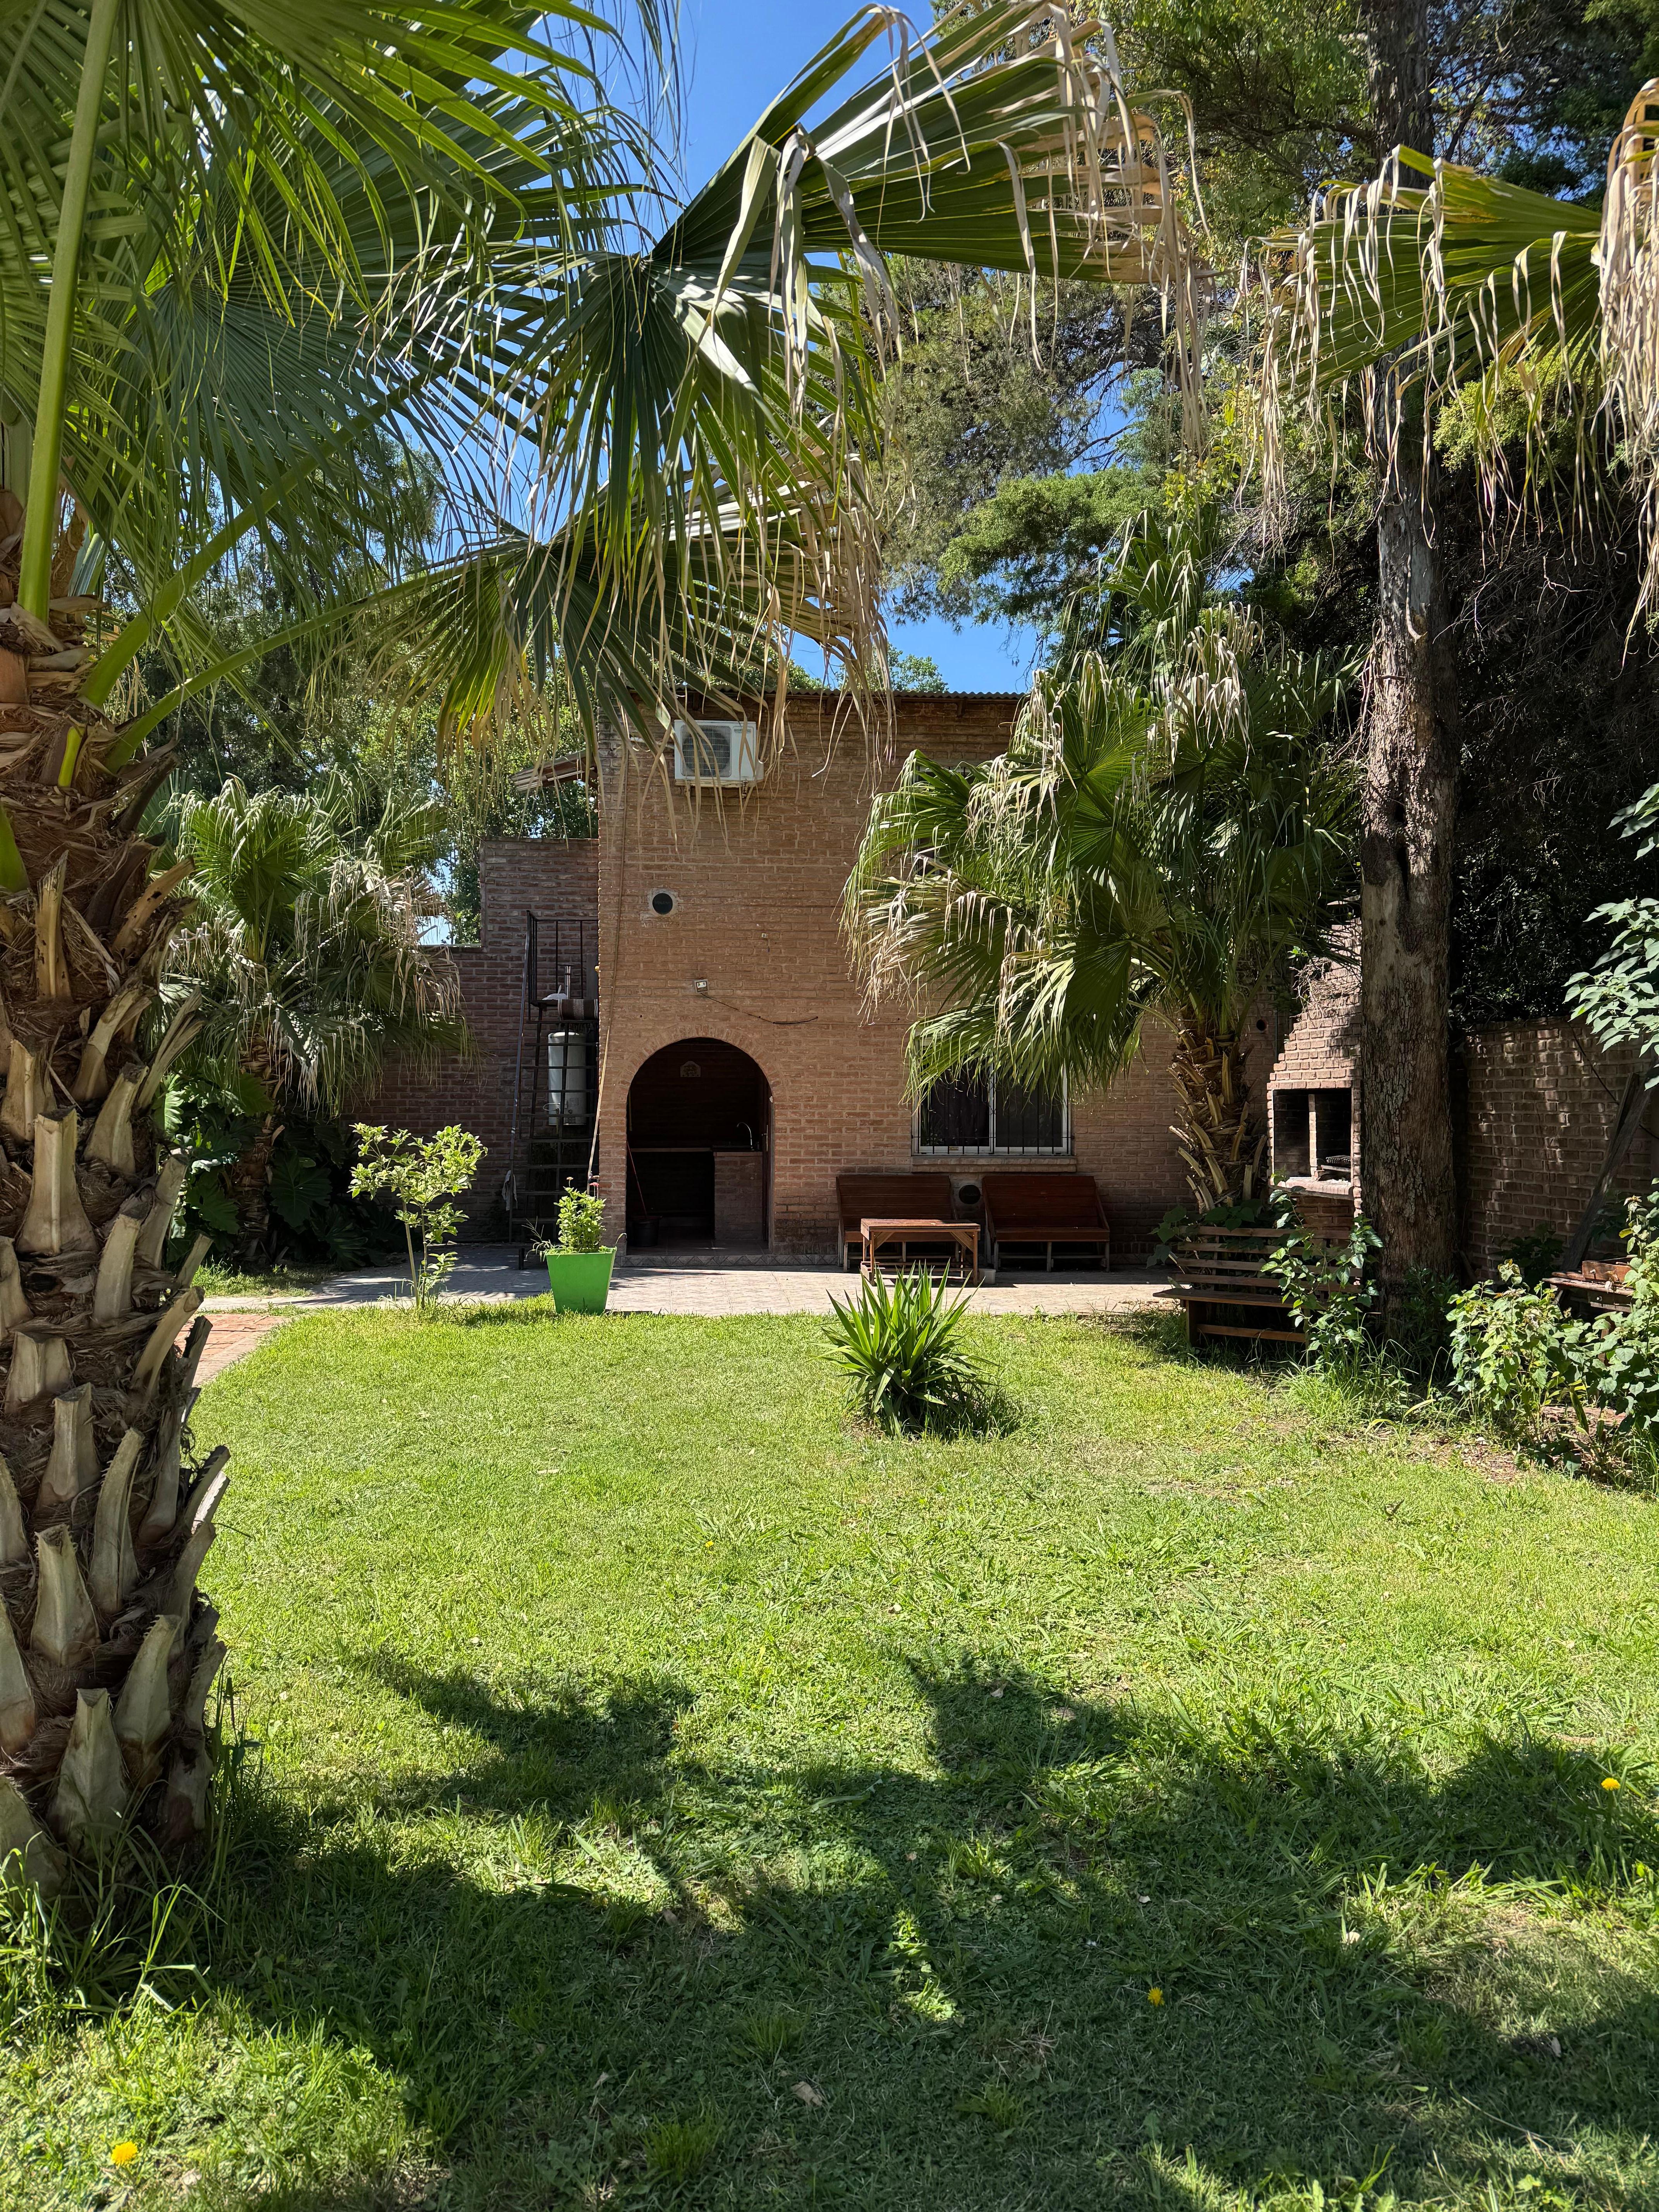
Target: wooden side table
[878,1235]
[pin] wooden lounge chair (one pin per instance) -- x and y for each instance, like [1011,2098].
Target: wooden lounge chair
[1222,1289]
[1046,1210]
[889,1197]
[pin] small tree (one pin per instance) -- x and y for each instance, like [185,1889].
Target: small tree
[424,1176]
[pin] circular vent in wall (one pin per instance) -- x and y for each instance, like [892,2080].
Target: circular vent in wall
[662,901]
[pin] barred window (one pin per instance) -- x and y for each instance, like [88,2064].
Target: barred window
[990,1114]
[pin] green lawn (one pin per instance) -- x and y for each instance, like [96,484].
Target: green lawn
[671,1794]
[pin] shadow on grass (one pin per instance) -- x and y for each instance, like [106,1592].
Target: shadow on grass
[877,1988]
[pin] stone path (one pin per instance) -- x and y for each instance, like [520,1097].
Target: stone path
[700,1283]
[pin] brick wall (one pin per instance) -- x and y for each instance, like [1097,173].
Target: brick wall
[1534,1104]
[756,880]
[1540,1100]
[515,874]
[1320,1053]
[758,883]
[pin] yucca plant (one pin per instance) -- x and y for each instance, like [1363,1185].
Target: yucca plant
[256,272]
[897,1342]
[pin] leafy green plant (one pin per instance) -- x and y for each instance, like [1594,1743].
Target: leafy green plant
[424,1176]
[313,1217]
[1617,1357]
[1420,1324]
[1534,1252]
[1512,1352]
[898,1343]
[581,1220]
[1328,1288]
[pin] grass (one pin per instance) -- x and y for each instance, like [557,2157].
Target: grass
[219,1279]
[671,1794]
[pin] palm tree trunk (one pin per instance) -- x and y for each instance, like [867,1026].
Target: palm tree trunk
[250,1189]
[1409,792]
[107,1650]
[1217,1134]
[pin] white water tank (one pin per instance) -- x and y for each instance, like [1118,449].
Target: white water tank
[566,1078]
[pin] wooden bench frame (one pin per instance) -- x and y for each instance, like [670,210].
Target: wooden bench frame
[887,1194]
[1223,1267]
[1003,1191]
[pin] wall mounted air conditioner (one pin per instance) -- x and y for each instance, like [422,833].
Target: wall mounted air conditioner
[716,752]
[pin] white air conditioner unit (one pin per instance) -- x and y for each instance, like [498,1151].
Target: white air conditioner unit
[716,752]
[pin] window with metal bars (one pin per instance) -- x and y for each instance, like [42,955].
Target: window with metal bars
[991,1115]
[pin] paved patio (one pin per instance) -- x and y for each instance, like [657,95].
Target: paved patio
[713,1283]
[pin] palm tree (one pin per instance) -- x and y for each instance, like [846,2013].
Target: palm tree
[1430,286]
[303,957]
[242,258]
[1167,828]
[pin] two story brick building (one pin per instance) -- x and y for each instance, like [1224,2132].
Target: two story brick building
[675,999]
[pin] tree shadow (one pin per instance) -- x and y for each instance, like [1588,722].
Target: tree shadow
[1095,1955]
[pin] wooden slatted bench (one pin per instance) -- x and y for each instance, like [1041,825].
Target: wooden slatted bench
[1046,1210]
[889,1197]
[1221,1268]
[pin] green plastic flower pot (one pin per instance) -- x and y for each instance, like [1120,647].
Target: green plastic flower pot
[580,1281]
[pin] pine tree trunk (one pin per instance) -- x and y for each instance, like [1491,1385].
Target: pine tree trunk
[107,1650]
[1409,795]
[1218,1134]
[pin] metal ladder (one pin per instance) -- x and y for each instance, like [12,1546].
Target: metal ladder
[556,1075]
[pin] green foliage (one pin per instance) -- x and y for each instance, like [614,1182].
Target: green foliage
[1328,1289]
[1619,998]
[898,1344]
[1511,1353]
[1419,1325]
[305,941]
[581,1220]
[1618,1354]
[316,1219]
[1536,1253]
[676,2150]
[1170,828]
[423,1176]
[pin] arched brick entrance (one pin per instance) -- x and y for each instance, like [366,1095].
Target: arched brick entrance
[699,1148]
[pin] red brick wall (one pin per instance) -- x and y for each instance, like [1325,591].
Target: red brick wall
[1541,1100]
[757,883]
[515,874]
[1322,1052]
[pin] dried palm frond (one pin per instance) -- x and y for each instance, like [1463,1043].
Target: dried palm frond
[1432,285]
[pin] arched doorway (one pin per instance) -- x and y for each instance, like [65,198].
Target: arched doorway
[699,1148]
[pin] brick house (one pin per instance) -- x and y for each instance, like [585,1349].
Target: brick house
[673,1000]
[693,1021]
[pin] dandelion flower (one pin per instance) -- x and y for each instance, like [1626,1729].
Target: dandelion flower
[1610,1782]
[123,2154]
[1154,1997]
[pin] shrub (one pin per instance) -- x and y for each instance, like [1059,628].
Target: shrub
[897,1342]
[581,1220]
[424,1176]
[1420,1324]
[1534,1252]
[1327,1288]
[1512,1352]
[1618,1356]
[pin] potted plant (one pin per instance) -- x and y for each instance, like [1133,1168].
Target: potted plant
[577,1264]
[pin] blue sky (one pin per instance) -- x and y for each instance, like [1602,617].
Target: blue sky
[739,54]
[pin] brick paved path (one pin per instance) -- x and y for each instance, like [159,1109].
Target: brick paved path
[714,1284]
[234,1334]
